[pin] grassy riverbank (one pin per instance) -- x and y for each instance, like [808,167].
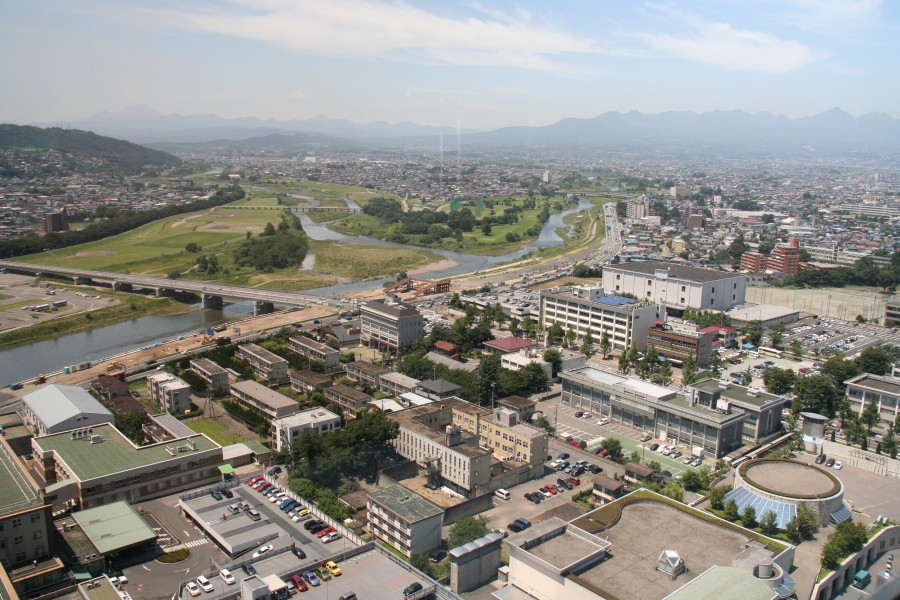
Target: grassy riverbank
[128,307]
[363,262]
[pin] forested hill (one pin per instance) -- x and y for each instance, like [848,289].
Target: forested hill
[117,155]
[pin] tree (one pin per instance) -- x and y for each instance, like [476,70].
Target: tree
[870,417]
[421,562]
[268,230]
[753,332]
[613,445]
[797,348]
[688,371]
[664,376]
[569,338]
[192,247]
[717,496]
[674,491]
[643,368]
[633,355]
[605,344]
[730,511]
[692,481]
[889,443]
[624,365]
[587,345]
[487,377]
[779,381]
[856,431]
[174,274]
[544,424]
[486,228]
[818,393]
[768,524]
[776,334]
[749,517]
[554,357]
[746,377]
[804,525]
[847,538]
[878,360]
[466,530]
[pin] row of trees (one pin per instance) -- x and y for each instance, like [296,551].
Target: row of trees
[802,526]
[648,366]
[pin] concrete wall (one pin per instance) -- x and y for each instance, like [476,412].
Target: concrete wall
[475,569]
[887,540]
[468,508]
[880,464]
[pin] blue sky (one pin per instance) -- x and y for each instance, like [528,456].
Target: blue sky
[483,64]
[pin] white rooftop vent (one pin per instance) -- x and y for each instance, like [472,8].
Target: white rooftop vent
[96,439]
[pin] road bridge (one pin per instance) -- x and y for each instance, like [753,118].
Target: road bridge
[211,294]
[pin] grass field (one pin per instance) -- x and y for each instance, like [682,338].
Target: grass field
[321,190]
[362,262]
[216,431]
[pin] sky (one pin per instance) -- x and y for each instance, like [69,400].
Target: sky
[479,65]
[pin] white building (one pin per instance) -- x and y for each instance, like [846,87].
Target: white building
[285,429]
[388,325]
[678,287]
[54,408]
[404,520]
[171,393]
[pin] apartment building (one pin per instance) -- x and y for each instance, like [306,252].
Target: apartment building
[307,381]
[285,429]
[653,409]
[348,398]
[404,520]
[169,392]
[587,308]
[389,325]
[265,364]
[501,431]
[883,390]
[317,351]
[678,287]
[679,341]
[397,384]
[784,259]
[54,408]
[364,372]
[212,374]
[262,399]
[82,469]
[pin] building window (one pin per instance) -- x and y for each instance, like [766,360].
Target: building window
[35,517]
[649,282]
[17,522]
[683,288]
[18,539]
[713,290]
[712,301]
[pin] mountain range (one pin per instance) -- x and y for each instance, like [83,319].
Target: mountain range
[723,133]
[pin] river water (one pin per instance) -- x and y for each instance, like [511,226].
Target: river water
[27,361]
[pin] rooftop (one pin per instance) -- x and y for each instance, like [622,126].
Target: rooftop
[439,386]
[56,403]
[632,384]
[738,393]
[17,490]
[760,312]
[683,273]
[393,310]
[509,344]
[261,393]
[517,402]
[420,420]
[115,454]
[311,343]
[882,383]
[306,417]
[724,583]
[98,589]
[261,353]
[558,544]
[113,527]
[174,426]
[207,365]
[405,503]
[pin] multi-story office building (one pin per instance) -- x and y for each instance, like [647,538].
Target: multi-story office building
[470,449]
[348,398]
[170,393]
[678,287]
[54,408]
[83,468]
[211,373]
[883,390]
[659,411]
[404,520]
[285,429]
[678,341]
[389,326]
[586,308]
[762,410]
[265,364]
[260,398]
[317,351]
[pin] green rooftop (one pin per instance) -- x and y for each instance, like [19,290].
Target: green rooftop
[115,453]
[17,491]
[113,527]
[724,583]
[405,503]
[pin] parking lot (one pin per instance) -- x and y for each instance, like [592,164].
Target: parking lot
[829,336]
[17,296]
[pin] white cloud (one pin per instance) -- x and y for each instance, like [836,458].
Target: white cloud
[831,15]
[722,45]
[371,29]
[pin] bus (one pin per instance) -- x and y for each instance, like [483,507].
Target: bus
[774,353]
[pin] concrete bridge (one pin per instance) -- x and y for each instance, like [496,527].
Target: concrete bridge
[211,294]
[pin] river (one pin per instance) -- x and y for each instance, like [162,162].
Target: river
[27,361]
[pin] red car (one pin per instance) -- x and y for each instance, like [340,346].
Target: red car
[325,531]
[575,443]
[574,481]
[299,583]
[254,479]
[551,488]
[262,489]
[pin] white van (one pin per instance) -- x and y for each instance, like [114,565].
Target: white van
[502,494]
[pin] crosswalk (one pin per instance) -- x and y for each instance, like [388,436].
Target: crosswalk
[196,543]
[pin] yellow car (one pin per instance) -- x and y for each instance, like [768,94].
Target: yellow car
[333,568]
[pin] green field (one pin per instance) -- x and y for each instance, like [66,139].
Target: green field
[317,189]
[362,262]
[216,432]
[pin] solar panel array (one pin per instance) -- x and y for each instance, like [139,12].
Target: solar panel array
[784,511]
[840,515]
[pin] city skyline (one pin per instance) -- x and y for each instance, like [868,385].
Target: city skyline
[470,64]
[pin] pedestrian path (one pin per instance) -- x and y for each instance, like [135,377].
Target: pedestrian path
[195,543]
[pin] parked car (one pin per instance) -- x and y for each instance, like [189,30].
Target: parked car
[603,421]
[298,552]
[215,494]
[334,535]
[226,577]
[412,588]
[563,455]
[574,481]
[654,447]
[334,569]
[579,414]
[323,532]
[310,524]
[576,443]
[205,584]
[193,589]
[586,415]
[595,469]
[311,579]
[829,462]
[263,550]
[838,465]
[228,494]
[646,437]
[675,454]
[437,555]
[820,459]
[696,462]
[323,574]
[297,582]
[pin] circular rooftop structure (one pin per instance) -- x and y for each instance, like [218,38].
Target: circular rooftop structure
[781,485]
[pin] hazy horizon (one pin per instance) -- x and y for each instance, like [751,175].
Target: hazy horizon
[477,65]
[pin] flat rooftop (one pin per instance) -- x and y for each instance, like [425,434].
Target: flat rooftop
[261,393]
[613,379]
[680,272]
[888,385]
[790,478]
[17,490]
[113,527]
[116,453]
[642,532]
[405,503]
[738,393]
[761,312]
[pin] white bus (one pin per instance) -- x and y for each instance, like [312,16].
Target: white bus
[774,353]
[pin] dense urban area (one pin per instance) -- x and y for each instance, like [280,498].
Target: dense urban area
[661,377]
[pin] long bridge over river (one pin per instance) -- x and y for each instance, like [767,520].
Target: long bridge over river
[211,294]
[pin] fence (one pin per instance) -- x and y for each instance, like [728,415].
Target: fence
[230,483]
[314,510]
[880,464]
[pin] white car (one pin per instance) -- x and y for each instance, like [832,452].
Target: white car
[226,576]
[603,421]
[278,497]
[193,589]
[330,537]
[586,415]
[665,450]
[205,584]
[838,465]
[262,550]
